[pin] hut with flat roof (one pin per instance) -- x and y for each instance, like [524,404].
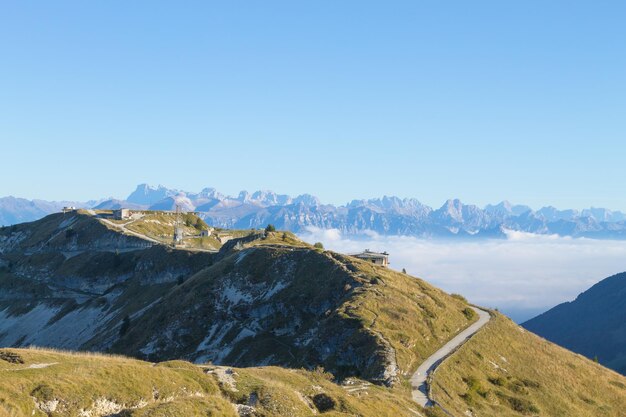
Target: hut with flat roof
[121,214]
[378,258]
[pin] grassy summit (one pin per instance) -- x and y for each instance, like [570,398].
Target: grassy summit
[159,226]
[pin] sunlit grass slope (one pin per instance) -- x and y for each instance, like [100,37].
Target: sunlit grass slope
[507,371]
[52,383]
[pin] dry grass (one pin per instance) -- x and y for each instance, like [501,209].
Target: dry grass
[282,392]
[278,238]
[177,388]
[507,371]
[76,381]
[159,225]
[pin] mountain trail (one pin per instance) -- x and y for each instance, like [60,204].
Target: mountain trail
[128,231]
[33,366]
[419,380]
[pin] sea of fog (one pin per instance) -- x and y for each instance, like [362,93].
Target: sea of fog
[522,275]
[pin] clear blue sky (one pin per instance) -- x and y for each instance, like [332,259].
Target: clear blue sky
[481,100]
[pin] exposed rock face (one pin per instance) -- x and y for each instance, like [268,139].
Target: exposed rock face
[68,281]
[265,305]
[146,195]
[65,279]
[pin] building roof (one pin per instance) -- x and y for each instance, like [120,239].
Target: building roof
[369,254]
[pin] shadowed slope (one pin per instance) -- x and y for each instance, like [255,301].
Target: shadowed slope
[593,325]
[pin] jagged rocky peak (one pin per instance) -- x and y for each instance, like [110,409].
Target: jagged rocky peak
[505,208]
[553,214]
[169,203]
[396,203]
[210,193]
[148,195]
[452,209]
[270,198]
[264,198]
[244,196]
[307,200]
[267,198]
[114,204]
[604,215]
[392,204]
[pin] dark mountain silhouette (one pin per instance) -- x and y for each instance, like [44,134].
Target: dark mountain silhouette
[593,325]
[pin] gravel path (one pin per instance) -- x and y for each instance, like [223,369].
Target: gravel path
[130,232]
[419,388]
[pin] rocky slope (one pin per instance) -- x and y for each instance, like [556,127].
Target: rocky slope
[72,281]
[69,277]
[594,324]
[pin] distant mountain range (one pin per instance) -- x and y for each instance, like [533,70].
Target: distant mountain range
[593,325]
[19,210]
[386,215]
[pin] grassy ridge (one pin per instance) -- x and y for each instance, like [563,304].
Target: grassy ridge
[160,226]
[415,317]
[353,318]
[505,370]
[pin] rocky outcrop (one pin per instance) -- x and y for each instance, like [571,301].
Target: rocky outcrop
[259,301]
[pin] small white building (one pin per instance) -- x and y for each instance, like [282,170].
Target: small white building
[121,214]
[377,258]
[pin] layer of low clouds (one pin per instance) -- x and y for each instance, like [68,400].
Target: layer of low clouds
[522,275]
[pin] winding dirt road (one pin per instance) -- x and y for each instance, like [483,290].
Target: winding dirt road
[122,226]
[419,387]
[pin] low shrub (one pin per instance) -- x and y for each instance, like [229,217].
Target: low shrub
[323,402]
